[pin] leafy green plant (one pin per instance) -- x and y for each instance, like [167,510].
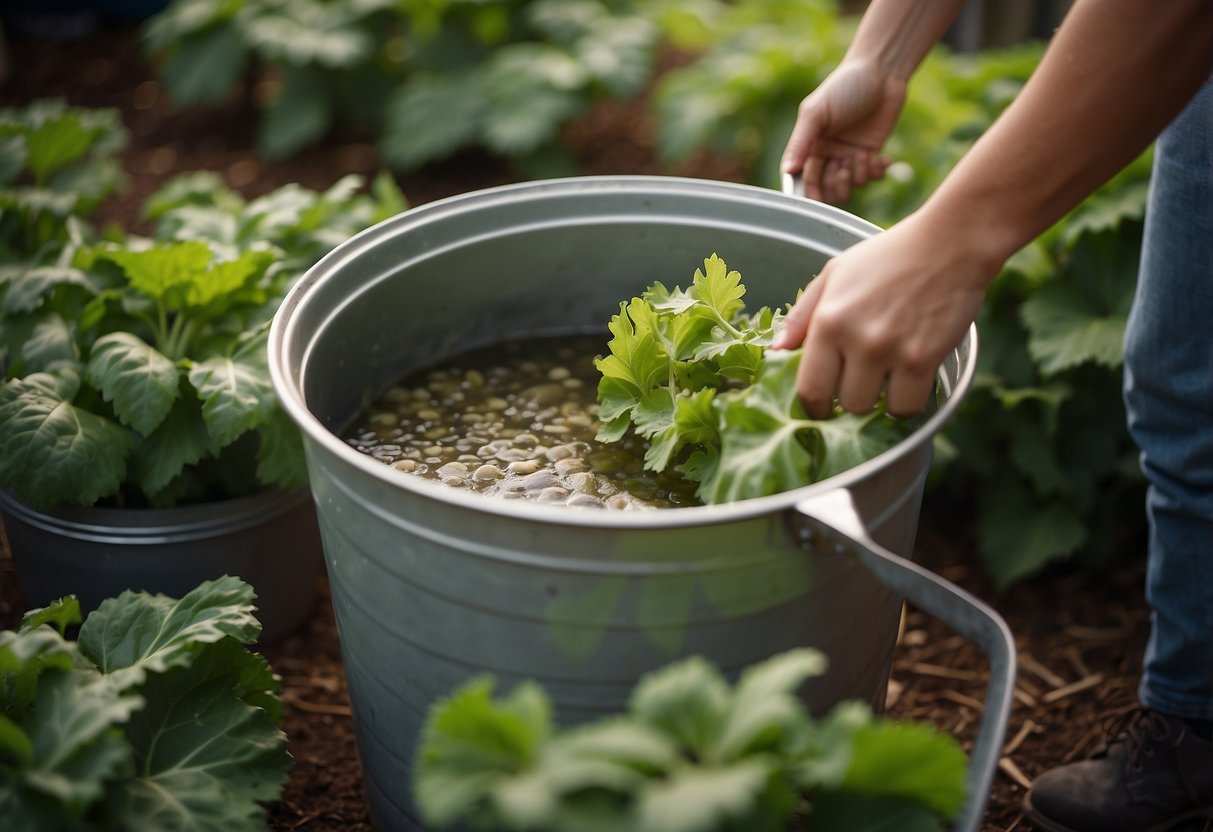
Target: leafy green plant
[135,369]
[1039,445]
[692,753]
[57,164]
[755,60]
[690,372]
[156,717]
[428,78]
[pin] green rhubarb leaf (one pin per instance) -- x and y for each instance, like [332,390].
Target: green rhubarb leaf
[53,452]
[761,450]
[27,289]
[205,756]
[179,440]
[24,655]
[56,143]
[1017,536]
[135,377]
[764,713]
[636,357]
[432,116]
[137,633]
[58,614]
[280,456]
[300,114]
[530,89]
[909,761]
[228,283]
[471,742]
[236,396]
[71,730]
[51,343]
[167,272]
[701,798]
[204,65]
[1080,317]
[719,288]
[848,439]
[686,700]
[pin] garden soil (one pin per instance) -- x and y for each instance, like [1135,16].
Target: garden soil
[1080,633]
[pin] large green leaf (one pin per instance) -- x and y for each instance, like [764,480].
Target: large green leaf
[431,117]
[236,396]
[70,727]
[1018,535]
[136,633]
[300,114]
[703,798]
[909,761]
[205,756]
[204,66]
[26,289]
[51,343]
[764,709]
[53,452]
[280,456]
[686,700]
[135,377]
[181,439]
[56,143]
[166,273]
[471,742]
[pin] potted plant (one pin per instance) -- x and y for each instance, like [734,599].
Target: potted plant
[141,443]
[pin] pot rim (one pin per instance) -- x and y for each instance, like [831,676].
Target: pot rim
[192,521]
[288,388]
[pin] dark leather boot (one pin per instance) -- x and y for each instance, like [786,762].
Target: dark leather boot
[1154,774]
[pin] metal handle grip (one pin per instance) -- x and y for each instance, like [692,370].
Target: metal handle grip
[831,519]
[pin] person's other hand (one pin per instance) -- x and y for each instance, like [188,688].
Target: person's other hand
[883,315]
[840,128]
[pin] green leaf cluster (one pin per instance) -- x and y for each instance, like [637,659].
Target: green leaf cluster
[689,371]
[134,369]
[692,753]
[1039,446]
[156,717]
[57,163]
[427,77]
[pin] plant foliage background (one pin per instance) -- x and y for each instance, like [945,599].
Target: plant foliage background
[1040,442]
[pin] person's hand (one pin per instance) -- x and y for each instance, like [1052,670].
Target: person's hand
[883,315]
[840,128]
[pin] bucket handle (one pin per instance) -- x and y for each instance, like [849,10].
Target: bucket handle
[830,522]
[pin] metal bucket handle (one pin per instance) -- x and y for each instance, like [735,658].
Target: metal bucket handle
[830,522]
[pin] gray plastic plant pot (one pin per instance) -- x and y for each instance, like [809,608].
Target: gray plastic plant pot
[433,585]
[268,539]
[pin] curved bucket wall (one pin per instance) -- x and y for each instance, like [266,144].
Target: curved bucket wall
[432,585]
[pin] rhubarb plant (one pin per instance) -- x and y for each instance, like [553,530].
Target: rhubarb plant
[157,716]
[134,369]
[691,372]
[692,753]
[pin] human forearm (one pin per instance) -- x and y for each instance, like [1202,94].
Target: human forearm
[895,35]
[1116,72]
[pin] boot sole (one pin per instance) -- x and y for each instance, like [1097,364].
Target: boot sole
[1045,824]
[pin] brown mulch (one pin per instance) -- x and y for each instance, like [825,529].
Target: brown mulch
[1079,634]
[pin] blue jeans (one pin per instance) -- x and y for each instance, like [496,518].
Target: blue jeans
[1169,397]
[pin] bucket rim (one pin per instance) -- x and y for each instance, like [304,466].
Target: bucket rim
[289,389]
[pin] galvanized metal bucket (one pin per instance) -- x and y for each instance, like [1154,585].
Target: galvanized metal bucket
[269,539]
[433,585]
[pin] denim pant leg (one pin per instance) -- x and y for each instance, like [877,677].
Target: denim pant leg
[1169,397]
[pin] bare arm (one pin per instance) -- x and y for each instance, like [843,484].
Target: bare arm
[1115,74]
[887,311]
[842,124]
